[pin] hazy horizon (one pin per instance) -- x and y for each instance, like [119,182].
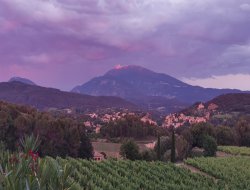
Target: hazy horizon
[65,43]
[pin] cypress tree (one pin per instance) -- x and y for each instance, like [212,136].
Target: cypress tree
[159,148]
[173,146]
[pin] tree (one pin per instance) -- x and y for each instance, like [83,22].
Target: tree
[209,145]
[86,149]
[158,148]
[149,155]
[243,131]
[130,150]
[173,146]
[225,136]
[199,131]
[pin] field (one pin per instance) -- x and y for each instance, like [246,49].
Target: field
[244,151]
[233,172]
[137,175]
[111,149]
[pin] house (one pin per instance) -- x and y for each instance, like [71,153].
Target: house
[200,106]
[98,156]
[151,145]
[98,129]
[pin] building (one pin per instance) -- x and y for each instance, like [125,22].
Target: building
[98,156]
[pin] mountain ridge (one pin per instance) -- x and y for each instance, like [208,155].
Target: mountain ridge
[44,98]
[135,83]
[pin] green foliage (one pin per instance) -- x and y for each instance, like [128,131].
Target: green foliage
[199,131]
[86,149]
[149,155]
[158,147]
[209,145]
[135,175]
[244,151]
[29,143]
[243,130]
[129,127]
[130,150]
[173,146]
[225,135]
[25,170]
[58,136]
[165,144]
[233,172]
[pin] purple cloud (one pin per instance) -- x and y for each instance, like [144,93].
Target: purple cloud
[62,43]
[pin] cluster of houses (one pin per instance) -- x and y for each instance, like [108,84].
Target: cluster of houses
[200,114]
[105,118]
[178,120]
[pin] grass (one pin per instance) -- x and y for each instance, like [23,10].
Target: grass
[232,171]
[235,150]
[111,149]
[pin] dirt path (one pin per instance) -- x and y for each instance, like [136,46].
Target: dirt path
[223,154]
[195,170]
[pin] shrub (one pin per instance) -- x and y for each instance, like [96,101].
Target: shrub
[130,150]
[209,145]
[149,155]
[25,170]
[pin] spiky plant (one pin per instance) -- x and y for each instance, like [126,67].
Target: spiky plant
[25,170]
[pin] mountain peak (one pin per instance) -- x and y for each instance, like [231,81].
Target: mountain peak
[147,89]
[22,80]
[125,67]
[118,69]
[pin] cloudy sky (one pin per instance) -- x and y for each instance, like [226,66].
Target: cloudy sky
[62,43]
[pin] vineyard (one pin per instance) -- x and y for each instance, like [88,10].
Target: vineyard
[244,151]
[137,175]
[234,172]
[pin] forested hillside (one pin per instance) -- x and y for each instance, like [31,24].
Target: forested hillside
[59,136]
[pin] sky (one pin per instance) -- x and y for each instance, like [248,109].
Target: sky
[64,43]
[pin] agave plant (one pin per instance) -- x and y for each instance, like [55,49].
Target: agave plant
[29,143]
[25,170]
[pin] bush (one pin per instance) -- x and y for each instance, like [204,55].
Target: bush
[130,150]
[149,155]
[225,136]
[199,131]
[165,144]
[209,145]
[25,170]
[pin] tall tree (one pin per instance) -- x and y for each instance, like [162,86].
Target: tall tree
[159,147]
[173,146]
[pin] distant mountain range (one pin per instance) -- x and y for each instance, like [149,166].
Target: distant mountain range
[148,89]
[44,98]
[128,87]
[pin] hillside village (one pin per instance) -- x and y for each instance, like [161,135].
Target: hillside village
[200,114]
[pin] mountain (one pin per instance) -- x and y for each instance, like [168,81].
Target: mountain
[140,85]
[224,110]
[223,104]
[22,80]
[44,98]
[232,103]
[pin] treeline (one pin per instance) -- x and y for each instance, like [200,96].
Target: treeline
[238,135]
[196,140]
[130,127]
[59,136]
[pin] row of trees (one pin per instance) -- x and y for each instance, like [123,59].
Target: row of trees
[130,127]
[238,135]
[59,136]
